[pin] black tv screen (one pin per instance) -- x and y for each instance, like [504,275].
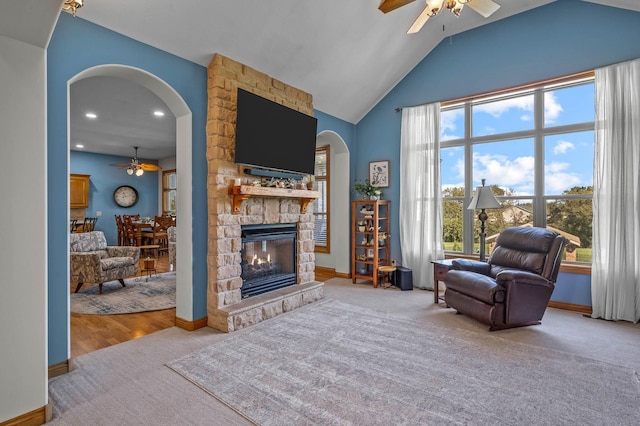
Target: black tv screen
[274,137]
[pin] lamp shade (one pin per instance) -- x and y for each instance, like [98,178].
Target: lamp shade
[483,199]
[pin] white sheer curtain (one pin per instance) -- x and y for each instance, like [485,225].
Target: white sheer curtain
[615,281]
[420,193]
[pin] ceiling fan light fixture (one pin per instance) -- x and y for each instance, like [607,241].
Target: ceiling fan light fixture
[139,172]
[434,6]
[129,171]
[72,5]
[457,7]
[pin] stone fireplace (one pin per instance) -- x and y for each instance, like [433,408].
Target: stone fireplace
[227,308]
[268,258]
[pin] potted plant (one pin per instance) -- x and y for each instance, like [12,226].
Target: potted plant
[366,190]
[309,180]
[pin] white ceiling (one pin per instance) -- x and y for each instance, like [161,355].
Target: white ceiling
[346,53]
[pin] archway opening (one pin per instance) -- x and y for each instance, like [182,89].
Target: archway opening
[183,164]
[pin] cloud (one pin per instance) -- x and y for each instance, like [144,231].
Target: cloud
[562,147]
[552,108]
[448,124]
[447,137]
[518,174]
[497,108]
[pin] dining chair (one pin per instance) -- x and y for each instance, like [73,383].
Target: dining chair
[129,232]
[120,228]
[159,233]
[89,224]
[72,225]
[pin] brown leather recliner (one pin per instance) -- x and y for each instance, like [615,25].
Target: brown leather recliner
[515,286]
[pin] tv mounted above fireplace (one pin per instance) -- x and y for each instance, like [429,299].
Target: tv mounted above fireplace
[272,137]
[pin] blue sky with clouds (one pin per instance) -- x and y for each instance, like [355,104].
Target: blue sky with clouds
[510,163]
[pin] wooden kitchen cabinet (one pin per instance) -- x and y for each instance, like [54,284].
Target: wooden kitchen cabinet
[79,191]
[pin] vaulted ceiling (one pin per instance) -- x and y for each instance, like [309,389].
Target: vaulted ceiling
[346,53]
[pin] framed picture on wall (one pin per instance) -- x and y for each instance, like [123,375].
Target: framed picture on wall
[379,173]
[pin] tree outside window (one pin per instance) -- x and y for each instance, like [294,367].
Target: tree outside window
[534,146]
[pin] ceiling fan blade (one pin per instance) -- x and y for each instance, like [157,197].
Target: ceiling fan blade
[150,167]
[121,165]
[485,8]
[388,5]
[420,21]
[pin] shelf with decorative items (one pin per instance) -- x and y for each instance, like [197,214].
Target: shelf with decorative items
[244,192]
[369,239]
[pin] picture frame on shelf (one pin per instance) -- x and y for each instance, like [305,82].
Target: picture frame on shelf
[379,173]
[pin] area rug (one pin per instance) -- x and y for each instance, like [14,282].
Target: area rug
[139,295]
[332,363]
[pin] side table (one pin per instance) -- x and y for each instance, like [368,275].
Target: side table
[385,272]
[440,269]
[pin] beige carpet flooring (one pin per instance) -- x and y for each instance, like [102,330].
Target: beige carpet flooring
[130,384]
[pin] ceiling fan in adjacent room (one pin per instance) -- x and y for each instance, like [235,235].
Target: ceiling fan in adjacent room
[136,167]
[485,8]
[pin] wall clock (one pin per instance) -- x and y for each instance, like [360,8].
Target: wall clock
[125,196]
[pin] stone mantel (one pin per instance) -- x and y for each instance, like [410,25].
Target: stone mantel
[244,192]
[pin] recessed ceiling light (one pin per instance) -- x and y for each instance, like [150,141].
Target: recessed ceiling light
[91,115]
[158,113]
[79,145]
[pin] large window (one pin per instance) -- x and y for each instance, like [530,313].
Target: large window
[169,192]
[321,205]
[534,146]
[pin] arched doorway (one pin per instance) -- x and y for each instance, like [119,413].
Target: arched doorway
[183,117]
[338,256]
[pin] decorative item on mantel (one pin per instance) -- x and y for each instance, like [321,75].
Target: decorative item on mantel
[366,190]
[309,181]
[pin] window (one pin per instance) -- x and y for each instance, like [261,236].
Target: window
[534,146]
[169,192]
[321,205]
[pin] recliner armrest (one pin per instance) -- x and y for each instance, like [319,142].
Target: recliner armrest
[472,266]
[527,295]
[509,277]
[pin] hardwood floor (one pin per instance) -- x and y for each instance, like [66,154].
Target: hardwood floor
[92,332]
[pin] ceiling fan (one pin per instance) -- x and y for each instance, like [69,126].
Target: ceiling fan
[135,166]
[485,8]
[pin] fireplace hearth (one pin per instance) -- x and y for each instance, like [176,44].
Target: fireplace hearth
[268,256]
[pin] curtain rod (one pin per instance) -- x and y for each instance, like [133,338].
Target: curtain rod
[532,85]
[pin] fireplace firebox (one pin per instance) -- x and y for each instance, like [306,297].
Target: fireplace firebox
[268,258]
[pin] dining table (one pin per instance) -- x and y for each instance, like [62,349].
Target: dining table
[138,227]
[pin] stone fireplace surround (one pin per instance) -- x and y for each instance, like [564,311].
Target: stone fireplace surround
[226,310]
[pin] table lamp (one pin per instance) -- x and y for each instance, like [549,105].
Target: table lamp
[483,199]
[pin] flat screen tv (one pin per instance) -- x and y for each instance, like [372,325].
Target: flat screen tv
[273,137]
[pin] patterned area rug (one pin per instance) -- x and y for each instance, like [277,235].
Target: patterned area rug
[138,296]
[332,363]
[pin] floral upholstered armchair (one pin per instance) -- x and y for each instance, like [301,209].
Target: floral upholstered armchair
[91,261]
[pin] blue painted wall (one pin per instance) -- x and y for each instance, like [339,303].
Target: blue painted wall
[94,45]
[560,38]
[344,129]
[104,180]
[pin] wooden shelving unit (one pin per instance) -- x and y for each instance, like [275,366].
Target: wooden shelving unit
[244,192]
[369,238]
